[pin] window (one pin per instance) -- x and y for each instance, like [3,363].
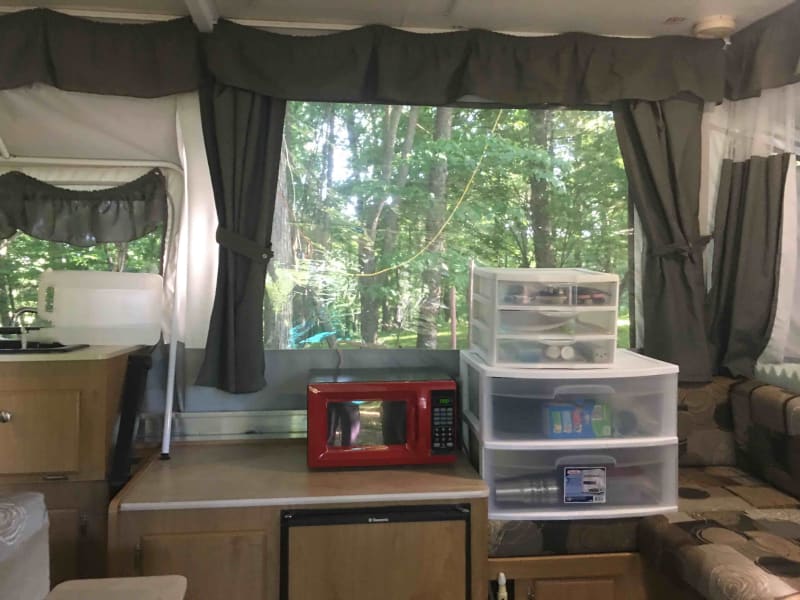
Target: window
[380,210]
[23,258]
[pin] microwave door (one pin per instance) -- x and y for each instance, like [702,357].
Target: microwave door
[366,423]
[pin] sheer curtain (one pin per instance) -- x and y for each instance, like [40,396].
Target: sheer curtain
[743,144]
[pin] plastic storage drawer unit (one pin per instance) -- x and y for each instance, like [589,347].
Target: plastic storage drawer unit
[546,318]
[564,444]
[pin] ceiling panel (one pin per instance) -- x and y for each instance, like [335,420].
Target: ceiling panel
[612,17]
[157,7]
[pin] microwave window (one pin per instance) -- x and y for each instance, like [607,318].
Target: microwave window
[366,423]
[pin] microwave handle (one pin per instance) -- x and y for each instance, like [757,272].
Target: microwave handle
[416,418]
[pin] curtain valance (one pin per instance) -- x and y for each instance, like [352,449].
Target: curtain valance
[80,55]
[764,55]
[82,218]
[381,64]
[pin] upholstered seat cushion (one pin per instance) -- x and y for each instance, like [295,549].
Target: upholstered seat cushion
[735,537]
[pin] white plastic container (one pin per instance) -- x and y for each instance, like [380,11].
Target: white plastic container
[634,402]
[624,461]
[580,484]
[104,308]
[544,318]
[24,547]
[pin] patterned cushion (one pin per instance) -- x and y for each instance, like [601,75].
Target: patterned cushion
[735,537]
[767,419]
[705,423]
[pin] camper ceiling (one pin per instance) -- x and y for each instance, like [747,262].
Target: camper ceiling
[612,17]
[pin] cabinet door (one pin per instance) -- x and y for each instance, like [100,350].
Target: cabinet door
[217,565]
[390,561]
[40,431]
[65,534]
[575,589]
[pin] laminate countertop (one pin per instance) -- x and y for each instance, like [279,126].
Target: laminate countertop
[88,353]
[274,473]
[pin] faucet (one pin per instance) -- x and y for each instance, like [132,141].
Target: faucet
[23,332]
[17,316]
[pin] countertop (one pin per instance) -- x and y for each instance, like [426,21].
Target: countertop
[90,353]
[274,473]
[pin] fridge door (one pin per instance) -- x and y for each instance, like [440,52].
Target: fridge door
[393,553]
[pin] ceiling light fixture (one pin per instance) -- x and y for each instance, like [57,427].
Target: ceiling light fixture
[714,27]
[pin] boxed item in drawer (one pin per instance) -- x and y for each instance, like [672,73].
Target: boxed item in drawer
[562,482]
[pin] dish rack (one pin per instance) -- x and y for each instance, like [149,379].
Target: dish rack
[573,443]
[544,318]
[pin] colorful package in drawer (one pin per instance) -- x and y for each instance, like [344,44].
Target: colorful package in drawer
[580,419]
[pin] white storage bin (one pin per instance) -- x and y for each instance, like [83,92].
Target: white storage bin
[578,484]
[545,318]
[632,403]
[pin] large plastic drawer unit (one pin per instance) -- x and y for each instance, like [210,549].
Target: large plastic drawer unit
[569,444]
[544,318]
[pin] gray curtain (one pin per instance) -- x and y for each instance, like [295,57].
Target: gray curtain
[243,133]
[82,218]
[747,248]
[79,55]
[764,55]
[381,64]
[660,145]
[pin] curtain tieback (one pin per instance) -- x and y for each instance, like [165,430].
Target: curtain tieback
[243,246]
[689,248]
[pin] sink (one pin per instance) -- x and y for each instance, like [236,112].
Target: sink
[15,347]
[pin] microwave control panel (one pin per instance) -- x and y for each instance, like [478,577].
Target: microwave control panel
[443,426]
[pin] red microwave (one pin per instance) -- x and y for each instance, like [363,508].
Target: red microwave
[371,417]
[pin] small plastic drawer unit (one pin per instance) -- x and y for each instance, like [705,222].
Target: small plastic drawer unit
[566,444]
[547,318]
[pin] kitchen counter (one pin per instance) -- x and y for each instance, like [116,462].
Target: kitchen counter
[274,473]
[90,353]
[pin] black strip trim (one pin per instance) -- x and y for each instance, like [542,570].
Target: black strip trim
[241,245]
[370,515]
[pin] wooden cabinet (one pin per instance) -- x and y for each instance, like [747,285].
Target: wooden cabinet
[56,441]
[617,576]
[217,514]
[216,565]
[40,431]
[62,418]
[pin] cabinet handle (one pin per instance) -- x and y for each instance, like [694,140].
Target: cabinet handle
[5,416]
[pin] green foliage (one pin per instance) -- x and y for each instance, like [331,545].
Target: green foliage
[349,219]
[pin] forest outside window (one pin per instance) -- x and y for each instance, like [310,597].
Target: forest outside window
[380,210]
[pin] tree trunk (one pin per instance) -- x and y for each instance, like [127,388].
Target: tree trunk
[432,276]
[389,315]
[540,131]
[370,287]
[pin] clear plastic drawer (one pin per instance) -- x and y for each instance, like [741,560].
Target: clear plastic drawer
[530,410]
[581,483]
[538,322]
[556,351]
